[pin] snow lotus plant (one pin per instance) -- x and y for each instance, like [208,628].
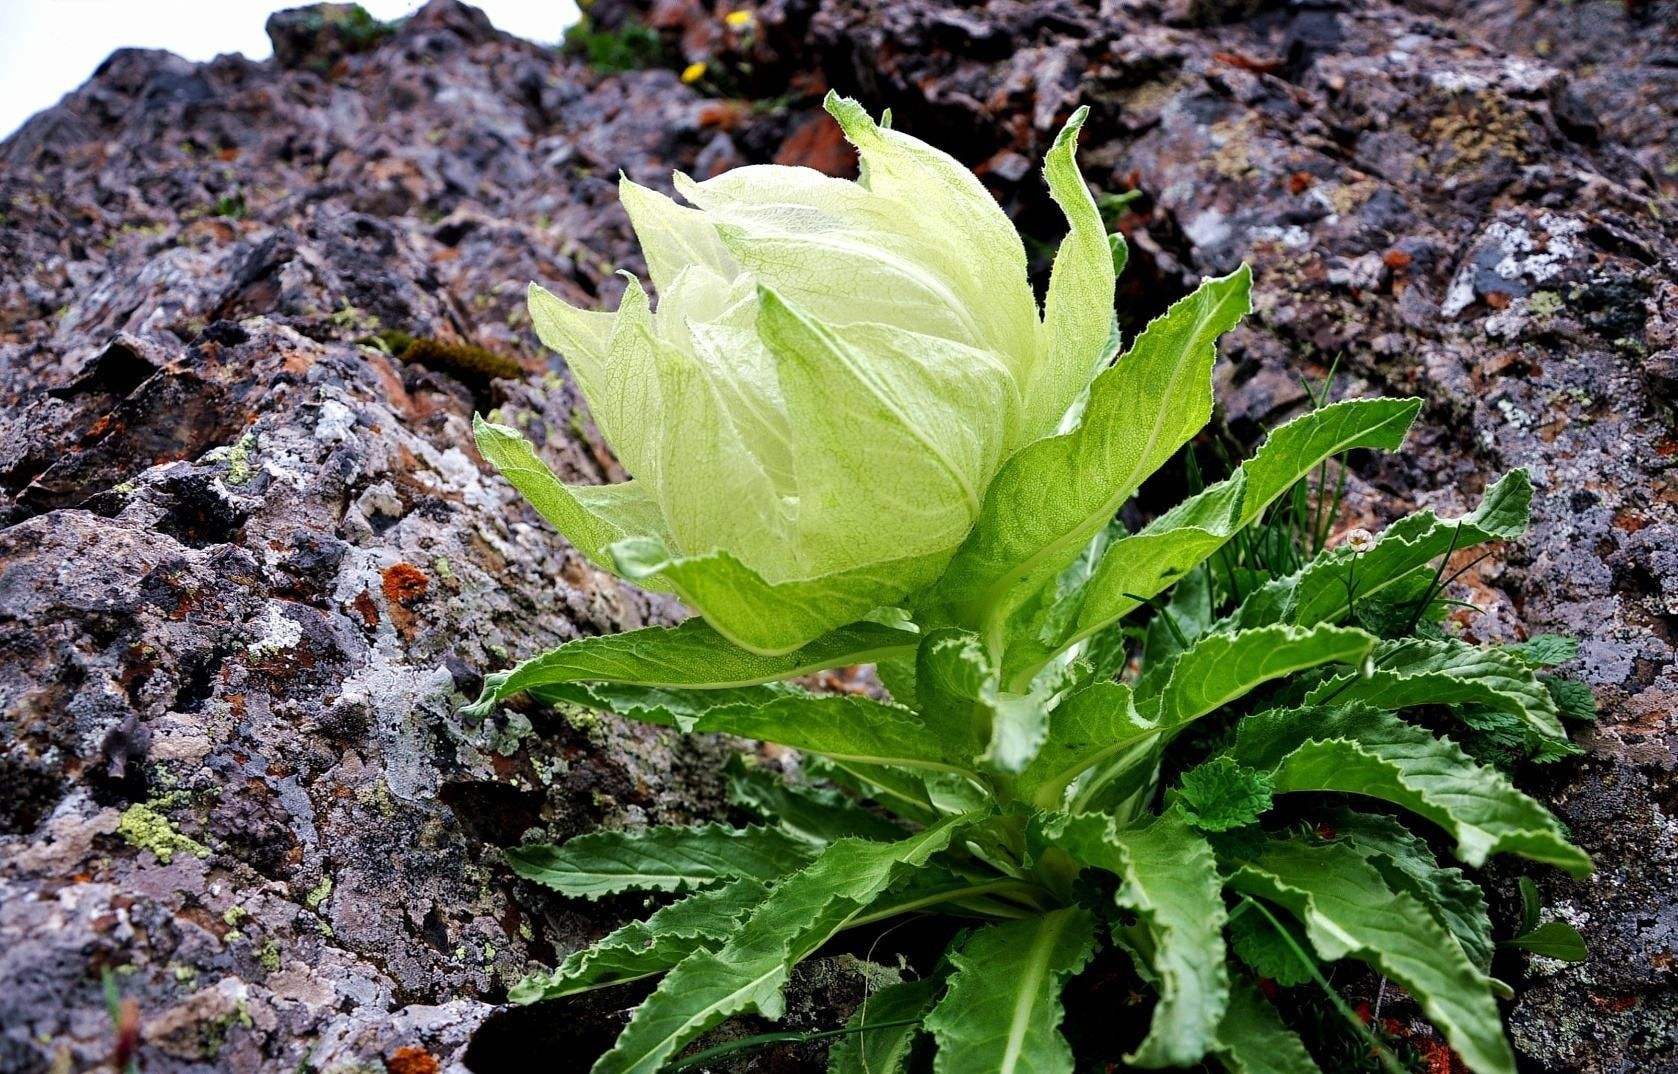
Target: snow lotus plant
[853,439]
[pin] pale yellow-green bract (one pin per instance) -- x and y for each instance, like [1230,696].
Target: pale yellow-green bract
[834,372]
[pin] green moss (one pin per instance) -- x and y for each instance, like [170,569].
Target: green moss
[269,956]
[144,827]
[235,914]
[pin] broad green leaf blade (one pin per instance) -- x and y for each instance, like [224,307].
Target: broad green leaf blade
[842,728]
[801,912]
[919,435]
[692,655]
[1220,795]
[1002,1011]
[1145,563]
[901,791]
[1054,494]
[1348,910]
[1325,590]
[1407,863]
[1271,949]
[1252,1038]
[1091,726]
[591,517]
[884,1050]
[1223,668]
[813,814]
[1552,939]
[1170,879]
[1363,751]
[658,705]
[1419,672]
[658,859]
[772,617]
[643,948]
[956,688]
[1078,307]
[611,357]
[1215,671]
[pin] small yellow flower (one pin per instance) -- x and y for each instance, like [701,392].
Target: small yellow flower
[738,20]
[693,72]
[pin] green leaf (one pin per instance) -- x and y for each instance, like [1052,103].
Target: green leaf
[1544,650]
[1362,751]
[800,914]
[1217,670]
[1145,563]
[643,948]
[1002,1011]
[1053,495]
[1180,623]
[899,790]
[591,517]
[1552,939]
[1574,700]
[810,813]
[1266,952]
[917,440]
[1348,910]
[657,705]
[658,859]
[1073,341]
[1087,728]
[1324,590]
[1530,906]
[842,728]
[1252,1038]
[1169,878]
[771,617]
[885,1050]
[957,689]
[1222,668]
[687,656]
[1417,672]
[1406,862]
[1221,794]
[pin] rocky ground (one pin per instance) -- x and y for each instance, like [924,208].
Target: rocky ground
[250,563]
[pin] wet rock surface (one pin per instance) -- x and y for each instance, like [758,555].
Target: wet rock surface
[250,563]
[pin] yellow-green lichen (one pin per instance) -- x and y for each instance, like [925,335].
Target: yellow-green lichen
[146,828]
[318,893]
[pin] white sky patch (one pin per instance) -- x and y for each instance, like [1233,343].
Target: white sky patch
[49,47]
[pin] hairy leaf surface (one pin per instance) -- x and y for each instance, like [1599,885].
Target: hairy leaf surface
[1348,910]
[1002,1011]
[1053,495]
[642,948]
[1419,672]
[885,1050]
[1169,877]
[692,655]
[1253,1039]
[800,914]
[1364,751]
[658,859]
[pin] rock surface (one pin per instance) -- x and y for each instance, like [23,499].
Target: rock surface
[250,563]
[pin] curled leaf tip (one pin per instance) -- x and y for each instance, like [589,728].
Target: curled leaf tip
[851,116]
